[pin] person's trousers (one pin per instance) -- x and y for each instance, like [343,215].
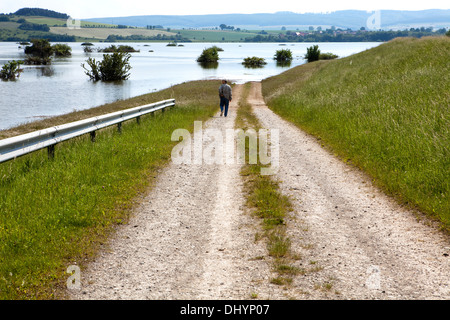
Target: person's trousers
[224,105]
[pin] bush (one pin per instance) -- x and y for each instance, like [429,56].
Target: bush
[327,56]
[122,48]
[11,70]
[448,33]
[219,49]
[62,50]
[254,62]
[283,55]
[312,53]
[39,52]
[209,55]
[113,67]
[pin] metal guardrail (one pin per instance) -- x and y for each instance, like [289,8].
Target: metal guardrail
[14,147]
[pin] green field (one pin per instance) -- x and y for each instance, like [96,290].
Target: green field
[385,110]
[11,29]
[52,22]
[103,33]
[54,214]
[97,31]
[215,35]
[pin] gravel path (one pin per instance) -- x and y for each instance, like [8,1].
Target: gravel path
[191,238]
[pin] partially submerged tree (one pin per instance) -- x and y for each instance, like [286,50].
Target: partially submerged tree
[209,55]
[113,67]
[62,50]
[39,52]
[11,70]
[254,62]
[312,53]
[283,55]
[328,56]
[122,48]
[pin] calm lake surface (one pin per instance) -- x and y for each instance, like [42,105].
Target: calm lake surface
[45,91]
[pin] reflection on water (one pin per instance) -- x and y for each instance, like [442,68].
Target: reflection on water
[248,66]
[44,91]
[284,64]
[209,65]
[47,71]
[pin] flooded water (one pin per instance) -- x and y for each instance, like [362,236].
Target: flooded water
[45,91]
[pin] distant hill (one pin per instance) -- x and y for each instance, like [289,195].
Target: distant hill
[353,19]
[33,23]
[40,12]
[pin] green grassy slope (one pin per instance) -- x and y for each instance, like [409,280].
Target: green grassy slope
[53,214]
[387,110]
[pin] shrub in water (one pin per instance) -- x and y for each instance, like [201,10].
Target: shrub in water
[327,56]
[283,55]
[254,62]
[62,50]
[312,53]
[11,70]
[113,67]
[39,52]
[209,55]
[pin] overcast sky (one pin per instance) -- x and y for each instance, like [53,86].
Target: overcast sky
[82,9]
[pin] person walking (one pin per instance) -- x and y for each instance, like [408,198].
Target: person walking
[226,96]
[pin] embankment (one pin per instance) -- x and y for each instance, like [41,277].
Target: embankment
[385,110]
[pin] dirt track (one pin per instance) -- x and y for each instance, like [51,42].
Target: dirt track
[191,238]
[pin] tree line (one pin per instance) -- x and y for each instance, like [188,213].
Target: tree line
[136,37]
[357,36]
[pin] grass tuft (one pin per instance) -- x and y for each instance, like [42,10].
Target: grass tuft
[267,203]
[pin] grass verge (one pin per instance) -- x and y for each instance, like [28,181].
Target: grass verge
[385,110]
[54,214]
[266,202]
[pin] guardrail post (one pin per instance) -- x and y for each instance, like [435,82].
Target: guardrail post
[138,120]
[93,136]
[51,152]
[119,127]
